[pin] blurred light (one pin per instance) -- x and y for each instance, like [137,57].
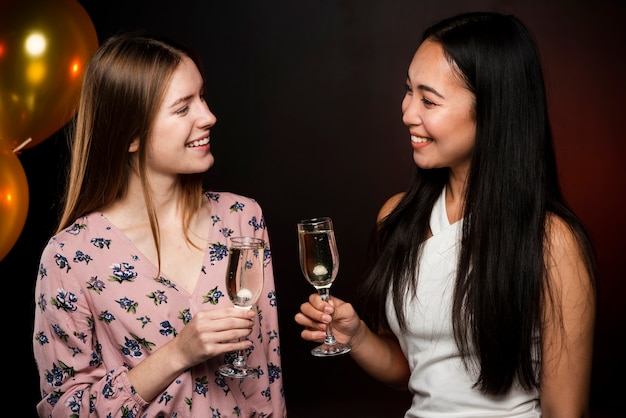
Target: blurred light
[35,72]
[75,68]
[35,44]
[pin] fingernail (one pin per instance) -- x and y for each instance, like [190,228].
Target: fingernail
[327,318]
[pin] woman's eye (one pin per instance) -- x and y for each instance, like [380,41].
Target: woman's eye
[182,110]
[427,102]
[407,88]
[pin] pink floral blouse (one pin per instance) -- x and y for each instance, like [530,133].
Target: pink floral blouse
[100,312]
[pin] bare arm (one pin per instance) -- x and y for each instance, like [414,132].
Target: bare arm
[381,357]
[378,355]
[568,336]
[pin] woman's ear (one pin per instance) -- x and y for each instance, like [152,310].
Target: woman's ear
[134,145]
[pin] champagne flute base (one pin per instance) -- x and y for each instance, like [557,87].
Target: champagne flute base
[326,350]
[229,370]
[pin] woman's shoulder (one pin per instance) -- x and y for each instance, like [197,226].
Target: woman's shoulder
[76,231]
[566,256]
[234,205]
[229,199]
[560,235]
[77,241]
[389,206]
[236,212]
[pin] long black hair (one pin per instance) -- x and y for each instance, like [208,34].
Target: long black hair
[512,188]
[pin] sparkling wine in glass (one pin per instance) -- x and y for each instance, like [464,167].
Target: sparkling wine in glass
[319,261]
[244,283]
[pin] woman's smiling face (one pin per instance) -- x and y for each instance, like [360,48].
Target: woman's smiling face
[179,143]
[438,109]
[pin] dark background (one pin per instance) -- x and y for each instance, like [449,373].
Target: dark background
[307,95]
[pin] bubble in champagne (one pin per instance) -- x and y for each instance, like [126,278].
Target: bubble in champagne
[320,270]
[244,294]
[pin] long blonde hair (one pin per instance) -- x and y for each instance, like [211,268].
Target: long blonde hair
[123,87]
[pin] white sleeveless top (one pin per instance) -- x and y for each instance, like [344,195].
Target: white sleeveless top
[440,384]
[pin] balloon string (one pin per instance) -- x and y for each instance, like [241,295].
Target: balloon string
[22,145]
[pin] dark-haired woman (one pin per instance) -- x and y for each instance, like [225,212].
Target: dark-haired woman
[481,295]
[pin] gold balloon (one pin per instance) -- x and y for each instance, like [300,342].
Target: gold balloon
[44,48]
[13,198]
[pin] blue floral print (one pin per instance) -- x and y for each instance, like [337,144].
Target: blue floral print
[102,308]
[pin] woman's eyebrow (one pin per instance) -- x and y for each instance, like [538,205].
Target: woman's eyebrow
[180,100]
[423,87]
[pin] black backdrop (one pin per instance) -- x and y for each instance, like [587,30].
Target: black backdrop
[307,95]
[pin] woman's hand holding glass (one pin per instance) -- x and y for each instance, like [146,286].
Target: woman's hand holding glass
[316,314]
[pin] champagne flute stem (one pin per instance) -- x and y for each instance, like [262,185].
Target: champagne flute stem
[330,337]
[239,360]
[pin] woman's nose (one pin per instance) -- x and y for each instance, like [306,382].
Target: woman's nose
[411,111]
[208,119]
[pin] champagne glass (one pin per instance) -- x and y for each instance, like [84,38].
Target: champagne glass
[319,261]
[244,283]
